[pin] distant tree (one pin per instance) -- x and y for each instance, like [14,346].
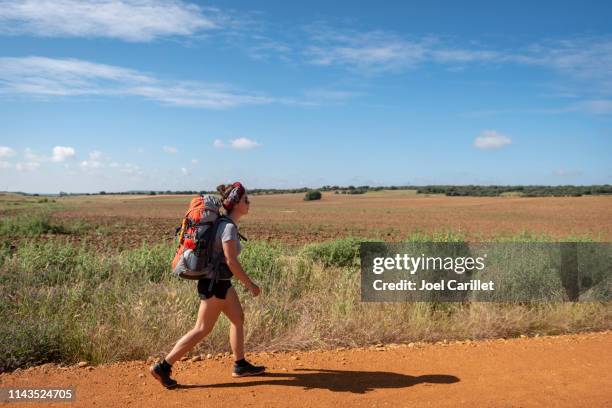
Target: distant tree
[312,195]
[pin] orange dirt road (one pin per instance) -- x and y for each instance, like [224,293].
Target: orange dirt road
[560,371]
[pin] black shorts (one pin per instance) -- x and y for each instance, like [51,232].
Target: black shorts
[219,288]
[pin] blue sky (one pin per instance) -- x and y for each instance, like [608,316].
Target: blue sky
[159,94]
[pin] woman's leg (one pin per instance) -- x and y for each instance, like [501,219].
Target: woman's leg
[207,317]
[233,310]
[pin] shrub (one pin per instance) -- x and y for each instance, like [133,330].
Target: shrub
[312,195]
[341,252]
[262,261]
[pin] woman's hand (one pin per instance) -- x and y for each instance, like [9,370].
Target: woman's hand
[253,288]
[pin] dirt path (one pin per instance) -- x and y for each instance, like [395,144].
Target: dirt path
[562,371]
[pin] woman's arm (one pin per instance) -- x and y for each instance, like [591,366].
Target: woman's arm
[230,249]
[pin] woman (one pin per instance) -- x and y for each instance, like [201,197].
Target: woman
[222,296]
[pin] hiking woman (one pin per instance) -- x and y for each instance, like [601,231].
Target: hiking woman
[221,297]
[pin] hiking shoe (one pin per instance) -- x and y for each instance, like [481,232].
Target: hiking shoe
[163,376]
[247,369]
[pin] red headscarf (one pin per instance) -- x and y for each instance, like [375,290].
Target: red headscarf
[233,195]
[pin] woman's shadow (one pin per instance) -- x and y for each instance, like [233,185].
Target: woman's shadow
[358,382]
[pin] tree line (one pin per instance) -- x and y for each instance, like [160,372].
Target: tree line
[448,190]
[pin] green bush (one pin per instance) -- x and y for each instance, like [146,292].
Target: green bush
[312,195]
[341,252]
[262,261]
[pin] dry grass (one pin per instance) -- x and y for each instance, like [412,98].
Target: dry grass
[66,303]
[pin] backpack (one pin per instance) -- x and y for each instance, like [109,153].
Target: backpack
[194,256]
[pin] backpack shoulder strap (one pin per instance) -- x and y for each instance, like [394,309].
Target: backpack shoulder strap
[228,219]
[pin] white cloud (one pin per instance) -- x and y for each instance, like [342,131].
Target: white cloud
[243,143]
[185,171]
[374,51]
[490,139]
[91,164]
[128,20]
[6,151]
[45,77]
[96,160]
[61,153]
[27,166]
[463,55]
[42,77]
[586,59]
[194,161]
[29,155]
[583,62]
[5,165]
[378,51]
[170,149]
[92,167]
[198,95]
